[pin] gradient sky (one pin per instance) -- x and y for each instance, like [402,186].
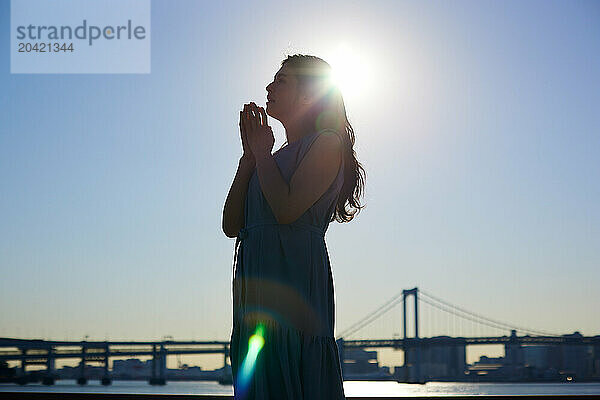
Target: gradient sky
[478,125]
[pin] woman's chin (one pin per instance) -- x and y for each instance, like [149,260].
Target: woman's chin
[269,111]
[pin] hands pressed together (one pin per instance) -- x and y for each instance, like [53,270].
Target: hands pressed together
[257,135]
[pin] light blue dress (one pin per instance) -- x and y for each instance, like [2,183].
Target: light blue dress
[282,284]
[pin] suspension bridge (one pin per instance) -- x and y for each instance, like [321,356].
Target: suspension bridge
[439,356]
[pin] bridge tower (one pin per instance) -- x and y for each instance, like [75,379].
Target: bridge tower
[159,361]
[405,294]
[414,348]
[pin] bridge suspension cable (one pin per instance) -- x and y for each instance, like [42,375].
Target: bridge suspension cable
[451,308]
[388,305]
[465,316]
[443,306]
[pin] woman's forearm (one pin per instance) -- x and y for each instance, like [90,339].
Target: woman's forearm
[233,211]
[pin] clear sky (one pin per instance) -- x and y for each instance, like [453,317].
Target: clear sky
[478,124]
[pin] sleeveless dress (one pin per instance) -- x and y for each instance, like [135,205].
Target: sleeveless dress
[282,344]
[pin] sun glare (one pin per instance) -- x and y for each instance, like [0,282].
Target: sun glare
[350,71]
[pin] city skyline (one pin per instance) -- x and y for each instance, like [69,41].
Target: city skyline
[477,124]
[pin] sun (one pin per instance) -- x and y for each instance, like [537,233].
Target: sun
[350,71]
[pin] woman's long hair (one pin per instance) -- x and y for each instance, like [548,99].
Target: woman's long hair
[314,77]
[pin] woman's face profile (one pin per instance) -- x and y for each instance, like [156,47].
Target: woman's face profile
[281,95]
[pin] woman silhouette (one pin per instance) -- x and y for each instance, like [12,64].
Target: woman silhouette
[279,207]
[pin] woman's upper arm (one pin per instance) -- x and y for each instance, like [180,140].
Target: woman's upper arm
[314,176]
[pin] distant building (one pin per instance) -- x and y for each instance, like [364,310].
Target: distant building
[132,368]
[70,372]
[486,367]
[596,361]
[538,356]
[494,362]
[137,369]
[360,363]
[577,360]
[436,362]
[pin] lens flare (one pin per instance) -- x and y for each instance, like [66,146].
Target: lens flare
[255,345]
[351,71]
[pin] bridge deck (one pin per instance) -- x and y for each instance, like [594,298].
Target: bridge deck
[119,396]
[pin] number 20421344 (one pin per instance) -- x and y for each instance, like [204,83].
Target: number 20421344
[24,47]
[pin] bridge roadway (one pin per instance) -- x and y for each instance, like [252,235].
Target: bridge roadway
[136,396]
[446,340]
[32,350]
[36,349]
